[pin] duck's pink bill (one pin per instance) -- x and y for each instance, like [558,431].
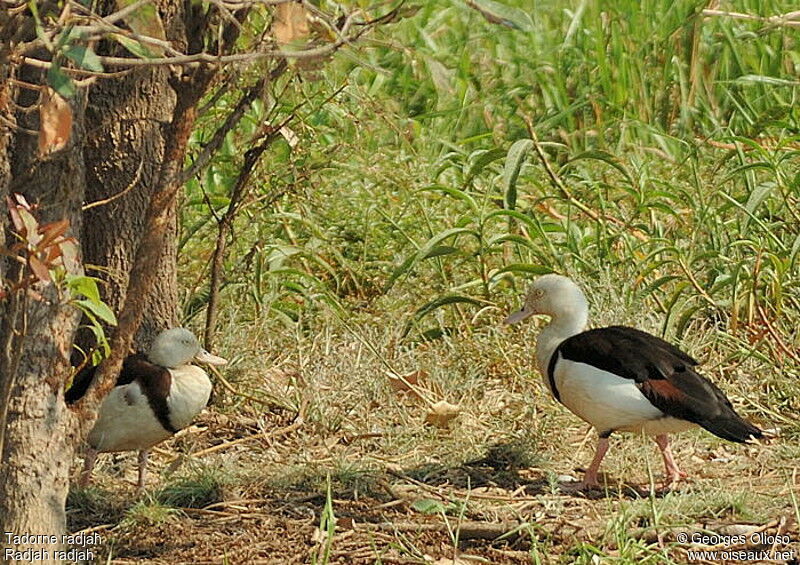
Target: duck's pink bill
[517,316]
[205,357]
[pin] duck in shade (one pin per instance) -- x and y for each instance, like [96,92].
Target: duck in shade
[156,395]
[620,379]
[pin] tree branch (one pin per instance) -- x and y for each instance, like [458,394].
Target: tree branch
[231,121]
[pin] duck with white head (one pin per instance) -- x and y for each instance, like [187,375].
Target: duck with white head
[620,379]
[156,395]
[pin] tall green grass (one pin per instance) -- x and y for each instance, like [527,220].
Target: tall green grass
[665,160]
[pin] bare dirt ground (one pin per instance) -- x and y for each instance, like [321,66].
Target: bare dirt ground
[483,511]
[320,458]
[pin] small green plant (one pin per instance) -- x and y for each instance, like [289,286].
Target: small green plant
[148,512]
[327,529]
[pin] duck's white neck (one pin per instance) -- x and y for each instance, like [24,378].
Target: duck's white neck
[563,325]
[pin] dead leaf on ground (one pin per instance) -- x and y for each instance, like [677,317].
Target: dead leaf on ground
[290,23]
[55,122]
[345,522]
[407,382]
[441,413]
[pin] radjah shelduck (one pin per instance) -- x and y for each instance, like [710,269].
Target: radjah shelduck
[156,395]
[620,379]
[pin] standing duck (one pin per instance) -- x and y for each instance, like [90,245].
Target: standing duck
[620,379]
[156,395]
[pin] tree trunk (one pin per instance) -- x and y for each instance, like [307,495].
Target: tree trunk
[124,152]
[128,119]
[37,330]
[132,138]
[39,435]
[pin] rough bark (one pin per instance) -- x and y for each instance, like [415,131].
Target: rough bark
[156,228]
[129,119]
[124,150]
[38,329]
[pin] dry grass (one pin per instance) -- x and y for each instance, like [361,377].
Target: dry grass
[248,482]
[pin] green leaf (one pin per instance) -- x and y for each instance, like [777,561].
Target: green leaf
[60,81]
[84,286]
[605,157]
[519,216]
[657,284]
[444,301]
[480,159]
[761,79]
[428,506]
[514,161]
[99,309]
[135,47]
[408,264]
[40,33]
[522,269]
[455,193]
[440,250]
[758,195]
[84,57]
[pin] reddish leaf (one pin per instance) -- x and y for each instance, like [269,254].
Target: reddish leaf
[39,269]
[52,231]
[55,122]
[13,209]
[290,22]
[52,254]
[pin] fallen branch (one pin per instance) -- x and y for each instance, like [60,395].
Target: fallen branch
[272,435]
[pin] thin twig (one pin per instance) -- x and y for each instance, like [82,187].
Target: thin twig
[120,194]
[297,424]
[775,335]
[205,58]
[565,192]
[231,121]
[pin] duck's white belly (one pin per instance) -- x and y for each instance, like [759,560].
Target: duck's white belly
[188,394]
[610,402]
[126,422]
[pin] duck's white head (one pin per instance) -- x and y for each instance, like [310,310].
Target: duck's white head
[556,296]
[178,346]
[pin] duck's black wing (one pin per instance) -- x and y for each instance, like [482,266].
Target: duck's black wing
[80,383]
[664,374]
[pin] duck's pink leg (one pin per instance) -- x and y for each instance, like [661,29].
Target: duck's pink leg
[673,473]
[142,469]
[88,466]
[590,477]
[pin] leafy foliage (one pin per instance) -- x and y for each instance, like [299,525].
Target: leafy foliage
[655,147]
